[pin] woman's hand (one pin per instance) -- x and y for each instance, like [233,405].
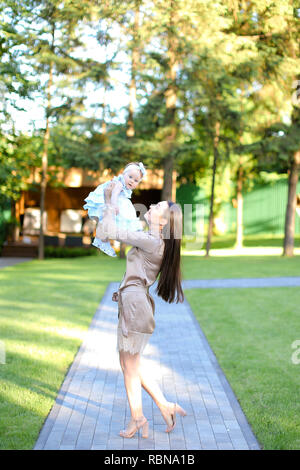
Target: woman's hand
[111,194]
[107,227]
[108,191]
[100,232]
[115,207]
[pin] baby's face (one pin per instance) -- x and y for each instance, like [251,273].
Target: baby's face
[132,178]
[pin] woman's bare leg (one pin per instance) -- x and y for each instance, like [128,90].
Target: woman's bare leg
[130,367]
[151,386]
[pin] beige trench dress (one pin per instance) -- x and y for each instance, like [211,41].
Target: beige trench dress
[136,306]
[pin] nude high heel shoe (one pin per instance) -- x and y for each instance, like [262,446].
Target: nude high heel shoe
[138,424]
[176,409]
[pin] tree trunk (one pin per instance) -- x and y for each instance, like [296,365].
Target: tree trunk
[135,57]
[130,131]
[45,167]
[239,214]
[170,97]
[239,195]
[103,125]
[211,210]
[289,231]
[168,179]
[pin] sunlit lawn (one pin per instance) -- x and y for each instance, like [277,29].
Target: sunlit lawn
[45,309]
[47,306]
[229,240]
[216,267]
[251,331]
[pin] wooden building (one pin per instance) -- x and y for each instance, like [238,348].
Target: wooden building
[66,222]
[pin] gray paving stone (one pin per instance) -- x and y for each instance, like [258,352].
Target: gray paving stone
[146,444]
[100,439]
[6,261]
[240,444]
[92,407]
[217,419]
[222,437]
[114,444]
[209,444]
[231,424]
[84,441]
[69,438]
[53,441]
[131,444]
[217,428]
[242,282]
[161,438]
[65,447]
[225,446]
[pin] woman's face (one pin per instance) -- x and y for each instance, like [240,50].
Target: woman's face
[155,215]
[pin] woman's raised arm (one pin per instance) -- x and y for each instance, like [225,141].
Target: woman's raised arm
[108,228]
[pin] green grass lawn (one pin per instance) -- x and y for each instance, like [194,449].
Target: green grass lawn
[229,240]
[251,331]
[219,267]
[46,308]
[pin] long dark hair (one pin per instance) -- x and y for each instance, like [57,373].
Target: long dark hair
[170,270]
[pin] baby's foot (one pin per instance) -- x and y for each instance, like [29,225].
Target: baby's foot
[106,248]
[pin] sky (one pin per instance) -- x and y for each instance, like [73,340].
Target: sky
[117,98]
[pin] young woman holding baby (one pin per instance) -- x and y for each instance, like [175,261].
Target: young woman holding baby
[154,252]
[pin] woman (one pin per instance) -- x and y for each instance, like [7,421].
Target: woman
[153,252]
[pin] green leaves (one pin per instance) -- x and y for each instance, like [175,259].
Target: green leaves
[224,62]
[18,156]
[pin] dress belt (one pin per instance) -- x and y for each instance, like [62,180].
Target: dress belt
[134,289]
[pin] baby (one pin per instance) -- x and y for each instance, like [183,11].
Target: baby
[126,217]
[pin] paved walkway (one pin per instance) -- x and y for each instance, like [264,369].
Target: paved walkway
[242,282]
[11,261]
[92,406]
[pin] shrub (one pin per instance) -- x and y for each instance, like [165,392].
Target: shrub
[68,252]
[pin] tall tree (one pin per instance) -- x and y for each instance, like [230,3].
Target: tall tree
[15,85]
[135,60]
[170,99]
[274,30]
[50,40]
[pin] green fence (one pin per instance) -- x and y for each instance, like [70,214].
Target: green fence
[192,195]
[263,208]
